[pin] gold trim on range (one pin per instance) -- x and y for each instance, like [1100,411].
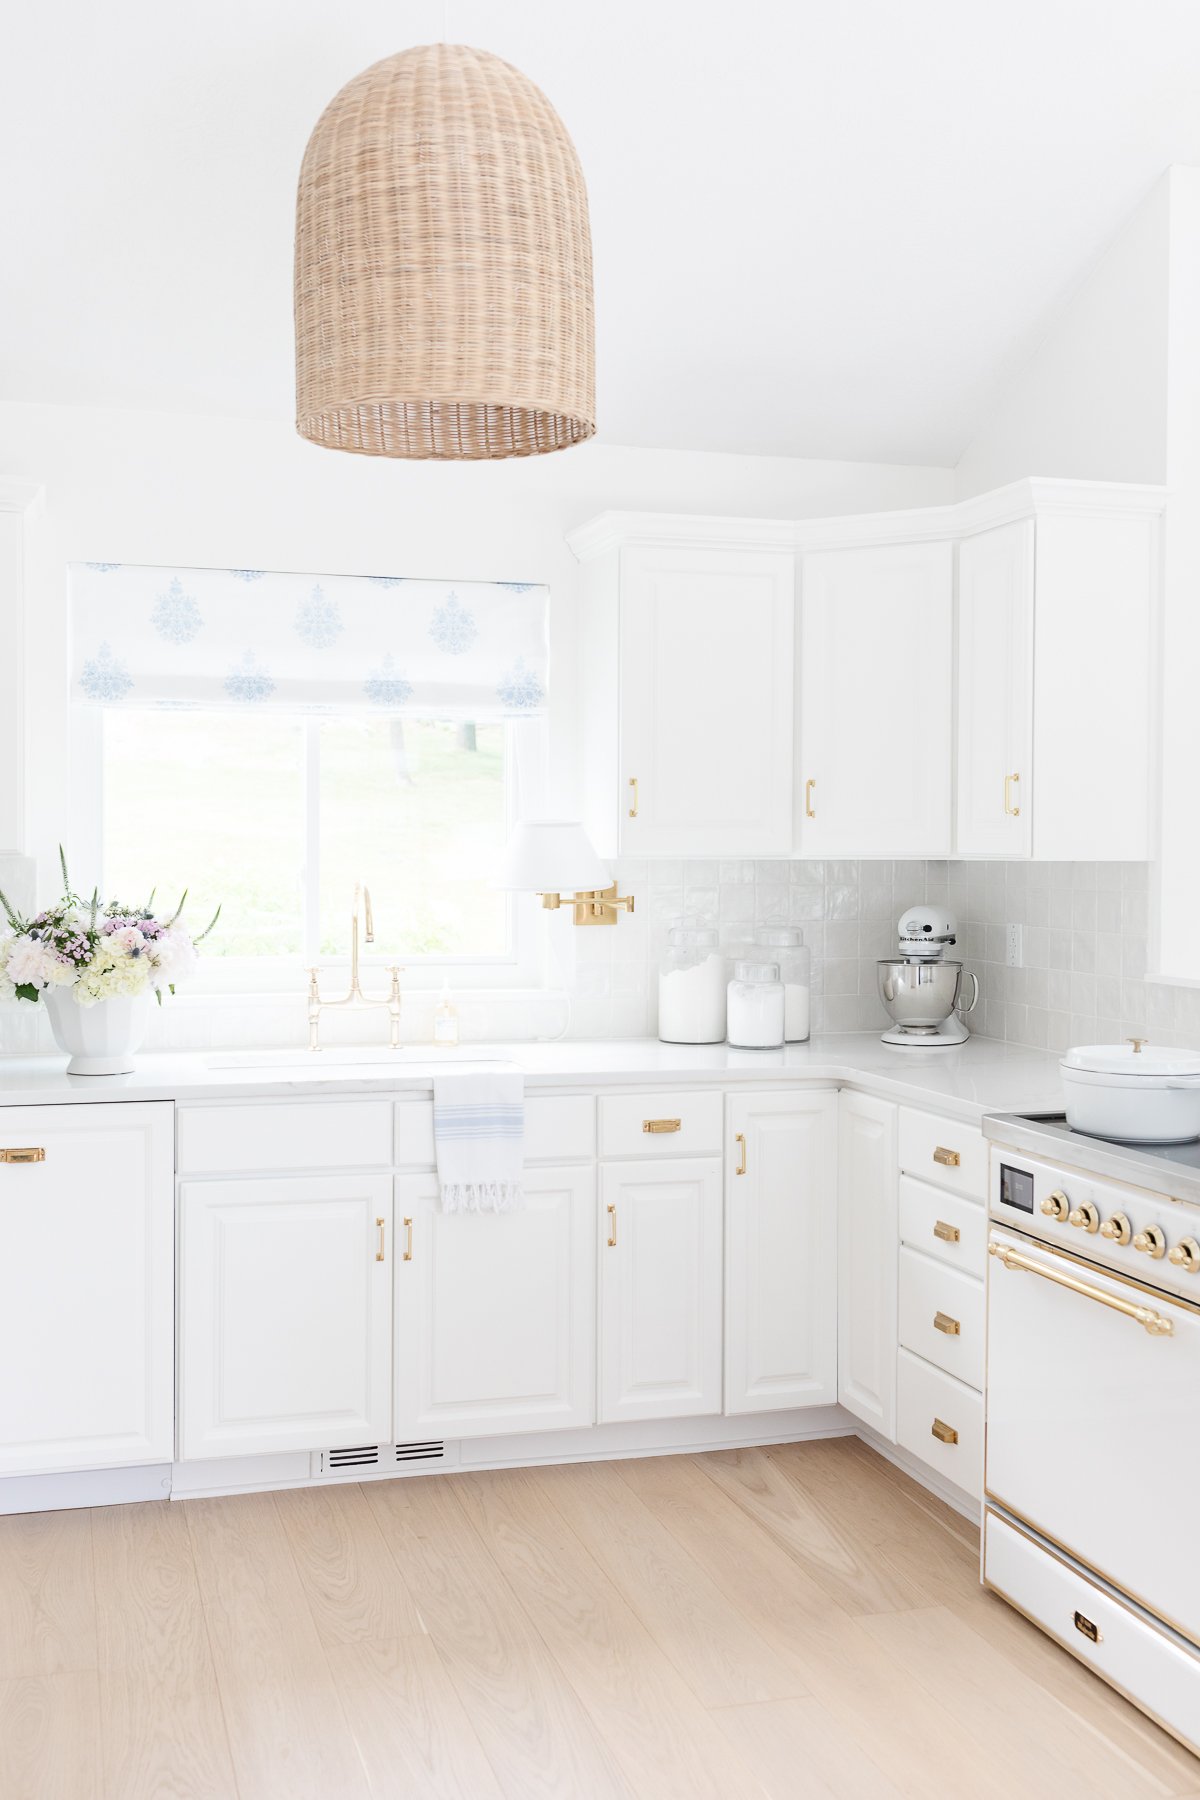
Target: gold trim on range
[1094,1268]
[1154,1323]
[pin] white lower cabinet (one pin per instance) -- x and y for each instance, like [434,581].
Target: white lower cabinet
[867,1260]
[86,1277]
[285,1314]
[660,1289]
[781,1251]
[495,1314]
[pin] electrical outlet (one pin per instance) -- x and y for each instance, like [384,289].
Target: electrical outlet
[1015,948]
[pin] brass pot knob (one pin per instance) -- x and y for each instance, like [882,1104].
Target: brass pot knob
[1151,1242]
[1117,1230]
[1085,1217]
[1056,1205]
[1186,1255]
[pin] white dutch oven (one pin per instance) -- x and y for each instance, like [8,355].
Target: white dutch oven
[1133,1093]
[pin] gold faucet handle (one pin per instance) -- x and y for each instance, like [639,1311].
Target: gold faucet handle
[314,991]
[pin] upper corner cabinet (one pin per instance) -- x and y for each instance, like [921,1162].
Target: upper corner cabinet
[875,686]
[686,694]
[1057,634]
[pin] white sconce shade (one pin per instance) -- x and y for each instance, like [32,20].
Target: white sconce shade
[551,856]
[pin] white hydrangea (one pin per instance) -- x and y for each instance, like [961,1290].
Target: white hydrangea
[175,956]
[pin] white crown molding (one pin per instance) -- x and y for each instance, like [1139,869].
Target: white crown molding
[983,512]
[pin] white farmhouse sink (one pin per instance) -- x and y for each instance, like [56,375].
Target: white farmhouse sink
[356,1056]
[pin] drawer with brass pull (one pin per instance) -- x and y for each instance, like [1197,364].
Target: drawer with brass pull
[944,1226]
[661,1124]
[941,1316]
[947,1152]
[940,1421]
[26,1153]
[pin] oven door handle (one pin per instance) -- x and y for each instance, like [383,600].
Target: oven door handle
[1151,1322]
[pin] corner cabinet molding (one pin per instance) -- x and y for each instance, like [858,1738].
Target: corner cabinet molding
[868,1251]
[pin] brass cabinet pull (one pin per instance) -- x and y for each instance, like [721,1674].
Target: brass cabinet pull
[633,810]
[612,1225]
[379,1246]
[944,1323]
[949,1159]
[945,1434]
[1152,1322]
[809,809]
[659,1127]
[30,1154]
[408,1240]
[740,1138]
[1010,782]
[1089,1628]
[949,1234]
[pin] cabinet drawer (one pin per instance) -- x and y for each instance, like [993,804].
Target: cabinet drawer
[661,1125]
[556,1131]
[940,1421]
[946,1152]
[952,1230]
[941,1316]
[290,1134]
[1155,1671]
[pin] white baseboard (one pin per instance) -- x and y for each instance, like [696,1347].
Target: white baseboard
[922,1474]
[84,1487]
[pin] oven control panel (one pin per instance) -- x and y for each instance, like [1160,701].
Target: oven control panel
[1148,1236]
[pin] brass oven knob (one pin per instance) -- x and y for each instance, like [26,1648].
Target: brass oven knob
[1118,1230]
[1186,1255]
[1085,1217]
[1056,1205]
[1151,1242]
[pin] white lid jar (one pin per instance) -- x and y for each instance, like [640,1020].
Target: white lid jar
[787,947]
[691,988]
[755,1006]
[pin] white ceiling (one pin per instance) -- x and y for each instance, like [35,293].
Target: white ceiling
[822,227]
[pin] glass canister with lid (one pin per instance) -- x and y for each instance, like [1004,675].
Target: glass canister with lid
[756,1006]
[691,987]
[785,945]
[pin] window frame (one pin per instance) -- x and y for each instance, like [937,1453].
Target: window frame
[522,966]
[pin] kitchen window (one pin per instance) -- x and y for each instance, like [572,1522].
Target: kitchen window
[275,800]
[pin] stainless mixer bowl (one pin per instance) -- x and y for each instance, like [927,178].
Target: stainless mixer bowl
[919,994]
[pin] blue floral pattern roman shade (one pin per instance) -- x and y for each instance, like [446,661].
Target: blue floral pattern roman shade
[238,638]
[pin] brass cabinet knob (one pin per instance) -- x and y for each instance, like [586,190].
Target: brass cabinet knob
[1056,1205]
[1085,1217]
[1117,1230]
[1151,1242]
[1186,1255]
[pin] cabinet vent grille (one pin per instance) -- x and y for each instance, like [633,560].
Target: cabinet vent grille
[380,1457]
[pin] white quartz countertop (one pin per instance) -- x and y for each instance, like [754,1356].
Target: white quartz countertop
[980,1076]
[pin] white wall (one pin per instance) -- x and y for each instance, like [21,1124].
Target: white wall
[1090,401]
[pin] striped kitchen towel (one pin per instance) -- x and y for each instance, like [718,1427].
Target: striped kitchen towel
[479,1131]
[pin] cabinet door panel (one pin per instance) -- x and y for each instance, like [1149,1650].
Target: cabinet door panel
[995,692]
[867,1260]
[660,1289]
[496,1312]
[875,701]
[86,1288]
[285,1324]
[706,702]
[781,1252]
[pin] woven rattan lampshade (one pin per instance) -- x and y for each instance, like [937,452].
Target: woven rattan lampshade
[443,266]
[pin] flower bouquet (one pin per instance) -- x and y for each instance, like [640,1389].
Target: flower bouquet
[97,967]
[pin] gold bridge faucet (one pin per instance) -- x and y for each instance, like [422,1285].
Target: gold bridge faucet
[356,997]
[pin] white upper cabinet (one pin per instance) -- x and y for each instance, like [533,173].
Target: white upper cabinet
[686,677]
[87,1233]
[995,692]
[875,701]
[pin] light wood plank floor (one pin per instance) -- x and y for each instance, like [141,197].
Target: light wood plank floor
[800,1623]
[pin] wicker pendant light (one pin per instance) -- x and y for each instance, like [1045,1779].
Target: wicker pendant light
[443,266]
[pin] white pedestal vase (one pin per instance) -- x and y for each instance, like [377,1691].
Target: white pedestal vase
[100,1039]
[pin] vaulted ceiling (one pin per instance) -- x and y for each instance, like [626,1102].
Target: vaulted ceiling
[820,229]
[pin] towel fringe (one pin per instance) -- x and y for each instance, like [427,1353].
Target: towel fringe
[481,1196]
